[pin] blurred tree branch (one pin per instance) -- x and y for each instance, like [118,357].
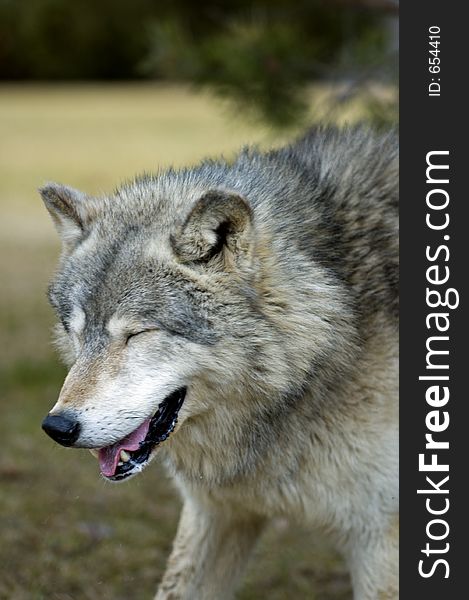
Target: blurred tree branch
[262,55]
[388,6]
[265,56]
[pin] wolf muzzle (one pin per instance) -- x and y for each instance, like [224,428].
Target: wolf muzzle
[64,430]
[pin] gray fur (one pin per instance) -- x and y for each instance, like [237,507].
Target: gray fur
[272,281]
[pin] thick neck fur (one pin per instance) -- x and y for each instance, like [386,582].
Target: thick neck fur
[307,336]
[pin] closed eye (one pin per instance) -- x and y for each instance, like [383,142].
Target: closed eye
[137,333]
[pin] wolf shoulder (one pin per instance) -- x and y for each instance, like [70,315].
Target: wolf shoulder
[332,196]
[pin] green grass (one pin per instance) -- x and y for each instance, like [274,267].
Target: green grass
[65,533]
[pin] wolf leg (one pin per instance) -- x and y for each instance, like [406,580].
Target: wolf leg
[211,549]
[374,563]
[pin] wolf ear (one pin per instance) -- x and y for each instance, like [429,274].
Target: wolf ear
[219,225]
[67,208]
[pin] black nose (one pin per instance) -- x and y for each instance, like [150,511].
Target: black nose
[63,430]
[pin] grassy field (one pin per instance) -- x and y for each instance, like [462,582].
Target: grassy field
[65,534]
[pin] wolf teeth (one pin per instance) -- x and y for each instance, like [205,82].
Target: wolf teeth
[124,456]
[94,452]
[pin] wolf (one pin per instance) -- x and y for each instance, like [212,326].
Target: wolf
[238,320]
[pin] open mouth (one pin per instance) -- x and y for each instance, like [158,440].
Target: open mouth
[130,455]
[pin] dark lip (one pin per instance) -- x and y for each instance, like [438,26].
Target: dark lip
[162,425]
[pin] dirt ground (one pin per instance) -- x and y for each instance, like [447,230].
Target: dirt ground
[65,533]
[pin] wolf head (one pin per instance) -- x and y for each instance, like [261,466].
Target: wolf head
[174,311]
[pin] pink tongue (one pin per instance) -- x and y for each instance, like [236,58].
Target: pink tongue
[110,455]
